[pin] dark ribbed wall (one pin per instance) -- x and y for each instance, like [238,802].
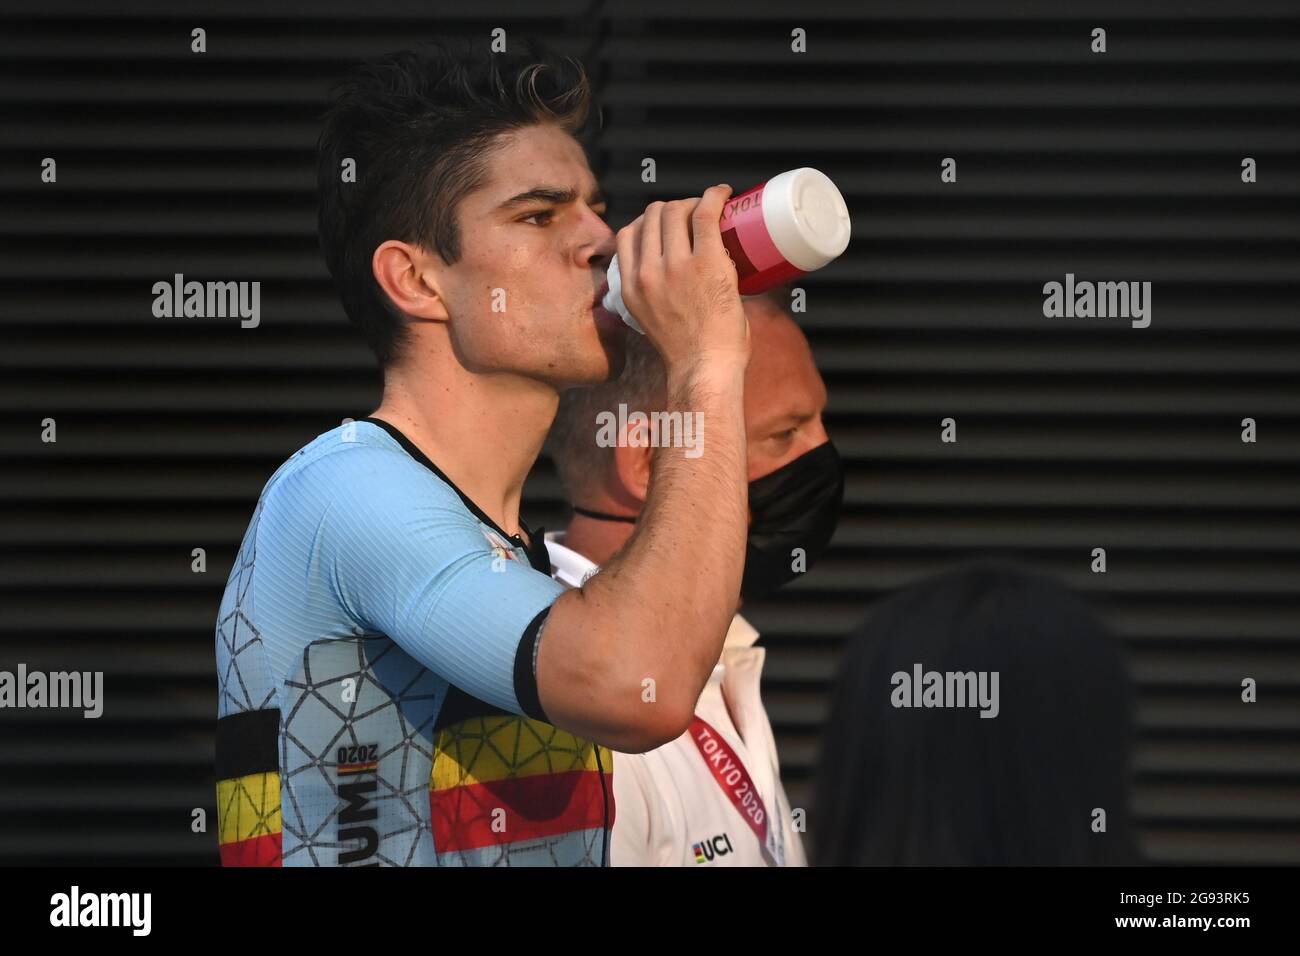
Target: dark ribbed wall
[1074,433]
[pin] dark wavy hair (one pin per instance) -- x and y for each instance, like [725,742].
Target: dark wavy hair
[943,786]
[421,125]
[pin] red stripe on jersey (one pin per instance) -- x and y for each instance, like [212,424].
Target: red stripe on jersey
[537,805]
[262,850]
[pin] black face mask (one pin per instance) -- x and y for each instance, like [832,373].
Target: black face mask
[796,506]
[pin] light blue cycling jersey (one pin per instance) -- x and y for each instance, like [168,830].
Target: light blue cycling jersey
[375,621]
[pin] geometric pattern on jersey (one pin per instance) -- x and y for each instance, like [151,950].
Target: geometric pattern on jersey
[243,682]
[356,752]
[503,787]
[328,729]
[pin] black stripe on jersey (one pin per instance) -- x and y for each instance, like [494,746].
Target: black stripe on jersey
[248,742]
[530,702]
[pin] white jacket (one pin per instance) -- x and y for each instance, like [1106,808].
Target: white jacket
[669,809]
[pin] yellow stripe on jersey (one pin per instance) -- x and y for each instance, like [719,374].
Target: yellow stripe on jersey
[486,749]
[248,807]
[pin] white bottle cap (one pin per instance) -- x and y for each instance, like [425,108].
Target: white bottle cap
[806,217]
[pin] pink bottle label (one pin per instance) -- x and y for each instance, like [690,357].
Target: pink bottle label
[758,264]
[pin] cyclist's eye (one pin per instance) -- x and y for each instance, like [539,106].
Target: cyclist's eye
[546,213]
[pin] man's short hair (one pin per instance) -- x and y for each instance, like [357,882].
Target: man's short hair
[642,386]
[420,125]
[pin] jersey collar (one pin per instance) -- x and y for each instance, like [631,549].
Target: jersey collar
[536,546]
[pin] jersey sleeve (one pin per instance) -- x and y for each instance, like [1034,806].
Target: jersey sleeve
[403,556]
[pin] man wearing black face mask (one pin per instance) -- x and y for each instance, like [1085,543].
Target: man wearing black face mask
[712,796]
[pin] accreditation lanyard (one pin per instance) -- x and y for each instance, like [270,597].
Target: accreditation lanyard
[735,782]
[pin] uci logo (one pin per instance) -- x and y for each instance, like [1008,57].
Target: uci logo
[706,850]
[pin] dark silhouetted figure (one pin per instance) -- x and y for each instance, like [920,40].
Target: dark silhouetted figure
[941,785]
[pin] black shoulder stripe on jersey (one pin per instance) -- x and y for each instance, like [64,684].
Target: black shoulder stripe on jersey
[248,742]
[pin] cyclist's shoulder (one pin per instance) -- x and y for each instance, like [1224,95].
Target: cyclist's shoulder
[355,462]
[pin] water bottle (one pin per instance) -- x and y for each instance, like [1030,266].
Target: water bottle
[793,224]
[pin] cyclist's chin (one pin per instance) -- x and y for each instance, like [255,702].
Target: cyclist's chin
[601,362]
